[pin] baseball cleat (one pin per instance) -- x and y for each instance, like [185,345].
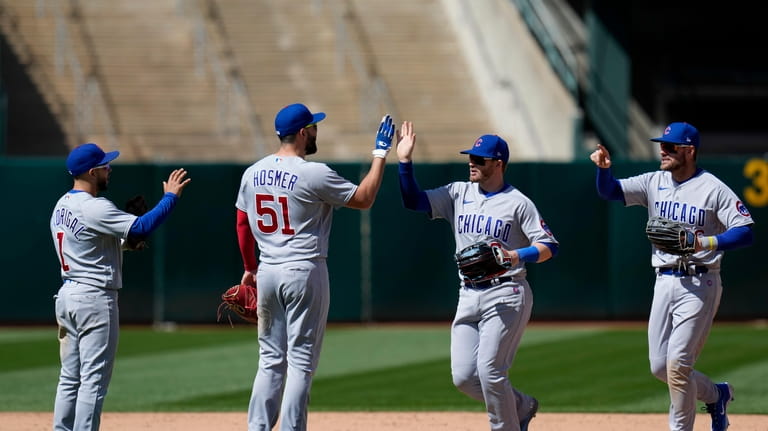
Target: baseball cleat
[718,409]
[534,408]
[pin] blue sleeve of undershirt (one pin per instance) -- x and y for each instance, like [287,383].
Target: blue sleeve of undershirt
[554,248]
[737,237]
[413,197]
[608,187]
[147,223]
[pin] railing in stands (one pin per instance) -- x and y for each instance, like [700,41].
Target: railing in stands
[92,114]
[235,112]
[563,37]
[352,43]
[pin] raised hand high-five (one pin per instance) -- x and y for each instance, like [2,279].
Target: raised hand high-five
[406,139]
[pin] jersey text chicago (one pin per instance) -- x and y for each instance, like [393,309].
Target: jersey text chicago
[485,224]
[681,212]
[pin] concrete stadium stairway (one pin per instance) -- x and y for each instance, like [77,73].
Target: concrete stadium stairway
[286,52]
[165,105]
[298,51]
[420,59]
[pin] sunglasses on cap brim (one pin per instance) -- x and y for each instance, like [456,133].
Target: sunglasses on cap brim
[479,161]
[671,148]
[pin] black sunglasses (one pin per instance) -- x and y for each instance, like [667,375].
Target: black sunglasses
[479,161]
[671,148]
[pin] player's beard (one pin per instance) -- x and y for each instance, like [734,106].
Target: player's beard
[670,164]
[477,175]
[311,147]
[101,184]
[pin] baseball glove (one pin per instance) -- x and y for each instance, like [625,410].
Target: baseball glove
[137,206]
[670,236]
[239,299]
[481,261]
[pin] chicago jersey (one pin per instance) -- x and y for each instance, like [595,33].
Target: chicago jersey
[702,203]
[508,217]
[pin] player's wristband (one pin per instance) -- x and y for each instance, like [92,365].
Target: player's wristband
[380,153]
[528,254]
[709,242]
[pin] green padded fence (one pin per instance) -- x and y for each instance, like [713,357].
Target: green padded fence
[387,263]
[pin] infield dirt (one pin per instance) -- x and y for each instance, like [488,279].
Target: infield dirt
[380,421]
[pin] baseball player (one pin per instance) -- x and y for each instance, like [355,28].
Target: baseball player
[88,235]
[285,205]
[687,290]
[491,314]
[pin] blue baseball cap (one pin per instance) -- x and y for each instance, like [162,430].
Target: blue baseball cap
[295,117]
[490,146]
[88,156]
[680,134]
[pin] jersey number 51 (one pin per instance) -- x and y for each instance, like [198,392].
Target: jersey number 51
[273,214]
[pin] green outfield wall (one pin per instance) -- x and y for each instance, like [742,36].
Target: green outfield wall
[387,263]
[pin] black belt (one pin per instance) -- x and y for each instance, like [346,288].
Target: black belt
[677,272]
[487,283]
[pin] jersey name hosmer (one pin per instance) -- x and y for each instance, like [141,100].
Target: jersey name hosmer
[275,177]
[64,217]
[681,211]
[484,224]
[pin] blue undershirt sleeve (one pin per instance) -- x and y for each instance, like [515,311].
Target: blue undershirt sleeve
[608,187]
[413,197]
[737,237]
[147,223]
[554,248]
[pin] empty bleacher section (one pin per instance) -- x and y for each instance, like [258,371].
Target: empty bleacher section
[286,51]
[165,102]
[357,60]
[129,75]
[201,80]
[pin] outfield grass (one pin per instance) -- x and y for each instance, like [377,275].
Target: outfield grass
[569,368]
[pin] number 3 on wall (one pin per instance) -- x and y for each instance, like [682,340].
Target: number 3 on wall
[756,194]
[269,219]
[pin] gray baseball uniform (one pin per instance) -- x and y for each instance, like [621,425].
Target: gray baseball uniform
[87,233]
[683,308]
[289,202]
[491,318]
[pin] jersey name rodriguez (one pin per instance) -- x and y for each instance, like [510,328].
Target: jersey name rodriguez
[64,217]
[483,224]
[681,212]
[275,177]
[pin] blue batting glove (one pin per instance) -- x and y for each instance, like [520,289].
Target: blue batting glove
[384,137]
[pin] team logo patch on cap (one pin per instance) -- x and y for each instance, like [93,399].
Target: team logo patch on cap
[545,227]
[479,142]
[742,209]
